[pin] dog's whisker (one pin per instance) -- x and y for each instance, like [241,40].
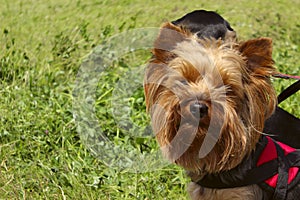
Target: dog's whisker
[261,132]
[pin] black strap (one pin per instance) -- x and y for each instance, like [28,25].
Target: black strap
[243,175]
[294,158]
[292,89]
[284,164]
[231,179]
[283,175]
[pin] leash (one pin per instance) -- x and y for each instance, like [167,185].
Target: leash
[292,89]
[286,76]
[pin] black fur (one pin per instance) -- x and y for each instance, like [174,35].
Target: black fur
[205,24]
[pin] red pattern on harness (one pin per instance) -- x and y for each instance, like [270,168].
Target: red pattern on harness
[269,153]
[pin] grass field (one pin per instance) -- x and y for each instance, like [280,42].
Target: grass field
[44,150]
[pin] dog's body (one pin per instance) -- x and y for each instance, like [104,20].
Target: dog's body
[209,96]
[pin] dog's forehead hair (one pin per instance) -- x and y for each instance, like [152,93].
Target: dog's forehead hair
[194,53]
[210,58]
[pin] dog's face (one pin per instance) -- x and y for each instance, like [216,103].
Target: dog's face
[208,98]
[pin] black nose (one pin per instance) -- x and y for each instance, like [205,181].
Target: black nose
[198,109]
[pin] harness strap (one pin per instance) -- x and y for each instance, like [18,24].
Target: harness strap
[283,175]
[231,179]
[247,173]
[289,91]
[294,158]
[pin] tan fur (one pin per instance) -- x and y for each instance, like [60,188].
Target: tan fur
[232,79]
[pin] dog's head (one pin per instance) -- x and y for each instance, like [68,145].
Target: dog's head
[208,97]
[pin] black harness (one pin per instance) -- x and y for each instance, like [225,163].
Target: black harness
[279,177]
[248,173]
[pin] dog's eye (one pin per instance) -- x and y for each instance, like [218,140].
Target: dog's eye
[184,82]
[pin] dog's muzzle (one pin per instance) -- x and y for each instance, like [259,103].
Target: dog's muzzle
[198,109]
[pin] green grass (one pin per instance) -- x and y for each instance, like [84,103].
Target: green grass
[43,44]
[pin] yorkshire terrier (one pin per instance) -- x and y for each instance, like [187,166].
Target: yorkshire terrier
[209,96]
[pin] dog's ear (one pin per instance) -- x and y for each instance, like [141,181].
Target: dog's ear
[169,36]
[258,54]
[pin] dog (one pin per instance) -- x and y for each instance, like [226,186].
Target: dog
[209,96]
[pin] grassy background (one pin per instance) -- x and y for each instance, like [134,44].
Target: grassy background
[42,44]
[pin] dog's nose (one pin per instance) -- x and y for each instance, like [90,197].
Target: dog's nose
[198,109]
